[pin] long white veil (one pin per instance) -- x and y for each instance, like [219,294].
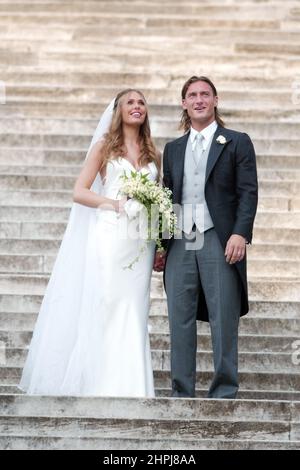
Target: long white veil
[70,303]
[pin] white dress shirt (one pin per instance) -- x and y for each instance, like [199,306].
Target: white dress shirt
[207,133]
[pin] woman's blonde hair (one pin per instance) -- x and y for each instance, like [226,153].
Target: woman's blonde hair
[113,145]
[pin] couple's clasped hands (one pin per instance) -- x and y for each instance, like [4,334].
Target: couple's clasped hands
[159,261]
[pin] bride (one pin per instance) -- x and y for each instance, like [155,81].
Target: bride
[91,335]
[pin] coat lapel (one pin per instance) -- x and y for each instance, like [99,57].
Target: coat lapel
[215,150]
[179,165]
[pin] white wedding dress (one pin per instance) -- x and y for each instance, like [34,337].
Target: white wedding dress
[92,339]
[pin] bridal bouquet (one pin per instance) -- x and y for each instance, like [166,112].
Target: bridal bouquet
[143,193]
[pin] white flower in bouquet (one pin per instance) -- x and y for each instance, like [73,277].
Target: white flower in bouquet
[143,193]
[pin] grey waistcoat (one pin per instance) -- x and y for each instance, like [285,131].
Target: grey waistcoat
[195,209]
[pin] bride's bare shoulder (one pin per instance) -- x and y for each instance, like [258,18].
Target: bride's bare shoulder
[95,150]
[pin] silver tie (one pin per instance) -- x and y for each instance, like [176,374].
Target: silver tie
[198,149]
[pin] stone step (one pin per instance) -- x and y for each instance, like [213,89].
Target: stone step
[121,44]
[270,251]
[248,361]
[43,263]
[261,130]
[139,21]
[50,247]
[200,393]
[257,326]
[277,162]
[249,380]
[55,171]
[13,390]
[139,8]
[36,283]
[274,204]
[260,289]
[29,246]
[19,326]
[243,394]
[30,197]
[75,142]
[168,95]
[263,235]
[131,408]
[289,3]
[115,9]
[16,307]
[25,57]
[15,325]
[266,48]
[15,297]
[60,182]
[50,55]
[60,198]
[286,188]
[44,77]
[83,44]
[15,341]
[68,443]
[278,219]
[61,212]
[49,157]
[16,322]
[73,170]
[267,288]
[68,170]
[143,79]
[27,230]
[63,38]
[166,429]
[14,231]
[44,156]
[257,130]
[84,110]
[32,213]
[294,14]
[104,79]
[253,331]
[135,58]
[40,263]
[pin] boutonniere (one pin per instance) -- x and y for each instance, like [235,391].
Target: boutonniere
[221,140]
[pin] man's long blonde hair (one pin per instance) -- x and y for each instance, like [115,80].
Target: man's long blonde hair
[185,122]
[113,145]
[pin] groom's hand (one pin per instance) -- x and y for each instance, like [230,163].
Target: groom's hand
[235,249]
[159,261]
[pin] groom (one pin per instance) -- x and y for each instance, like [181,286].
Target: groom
[211,171]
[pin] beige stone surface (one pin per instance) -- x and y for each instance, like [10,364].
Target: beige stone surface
[61,62]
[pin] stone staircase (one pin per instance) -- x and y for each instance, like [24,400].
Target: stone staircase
[61,62]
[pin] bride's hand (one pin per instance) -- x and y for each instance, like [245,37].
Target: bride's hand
[120,205]
[133,207]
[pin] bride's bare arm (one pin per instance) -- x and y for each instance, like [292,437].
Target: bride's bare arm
[82,193]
